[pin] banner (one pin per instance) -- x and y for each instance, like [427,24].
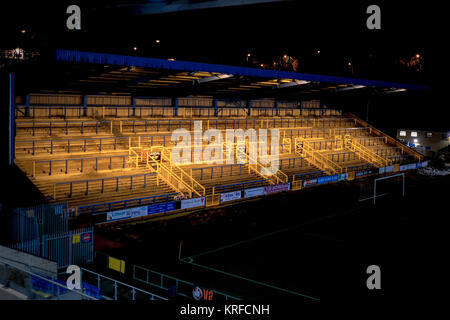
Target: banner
[327,179]
[127,213]
[422,164]
[192,203]
[309,182]
[254,192]
[364,173]
[277,188]
[386,169]
[230,196]
[161,207]
[117,215]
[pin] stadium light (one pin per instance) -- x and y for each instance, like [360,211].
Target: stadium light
[135,48]
[157,41]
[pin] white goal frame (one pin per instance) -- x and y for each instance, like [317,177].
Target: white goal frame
[384,178]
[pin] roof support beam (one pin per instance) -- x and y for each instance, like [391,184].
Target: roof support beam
[292,83]
[213,78]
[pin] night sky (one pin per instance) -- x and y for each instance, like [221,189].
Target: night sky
[267,31]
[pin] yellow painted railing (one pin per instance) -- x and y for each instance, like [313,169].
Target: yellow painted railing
[171,172]
[304,148]
[255,166]
[365,153]
[196,186]
[389,139]
[164,173]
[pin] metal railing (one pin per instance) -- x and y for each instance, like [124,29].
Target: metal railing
[124,204]
[163,281]
[101,182]
[49,165]
[121,290]
[65,125]
[256,167]
[71,145]
[304,148]
[48,288]
[365,153]
[240,186]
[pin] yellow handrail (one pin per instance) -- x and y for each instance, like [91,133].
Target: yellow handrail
[274,179]
[160,174]
[187,175]
[316,158]
[183,174]
[365,153]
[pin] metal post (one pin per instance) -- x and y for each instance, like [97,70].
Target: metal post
[12,109]
[216,111]
[84,106]
[175,106]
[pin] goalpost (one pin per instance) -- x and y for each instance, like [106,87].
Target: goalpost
[384,178]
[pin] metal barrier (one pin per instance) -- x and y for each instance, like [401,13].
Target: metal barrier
[240,186]
[303,147]
[36,286]
[66,125]
[234,123]
[365,153]
[68,145]
[38,220]
[124,204]
[50,164]
[307,175]
[118,289]
[163,281]
[67,248]
[220,168]
[101,183]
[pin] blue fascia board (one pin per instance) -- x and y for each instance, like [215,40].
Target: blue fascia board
[154,63]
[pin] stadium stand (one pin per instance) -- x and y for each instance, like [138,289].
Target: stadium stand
[106,154]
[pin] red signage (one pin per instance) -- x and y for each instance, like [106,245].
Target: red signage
[86,237]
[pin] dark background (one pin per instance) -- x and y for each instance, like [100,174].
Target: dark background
[297,28]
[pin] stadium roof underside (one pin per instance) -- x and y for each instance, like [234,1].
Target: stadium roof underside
[86,72]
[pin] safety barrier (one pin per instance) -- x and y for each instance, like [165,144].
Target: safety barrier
[34,147]
[163,281]
[36,286]
[303,148]
[80,164]
[124,204]
[165,165]
[66,248]
[240,186]
[365,153]
[97,185]
[256,167]
[62,126]
[208,172]
[416,155]
[117,290]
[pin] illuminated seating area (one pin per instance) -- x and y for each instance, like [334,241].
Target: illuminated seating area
[98,156]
